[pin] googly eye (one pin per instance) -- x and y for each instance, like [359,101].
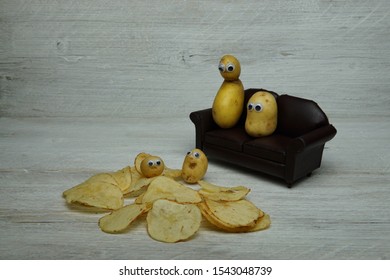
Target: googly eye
[250,106]
[258,107]
[221,67]
[196,154]
[158,162]
[150,163]
[230,67]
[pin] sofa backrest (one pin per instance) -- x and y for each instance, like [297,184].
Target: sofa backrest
[297,116]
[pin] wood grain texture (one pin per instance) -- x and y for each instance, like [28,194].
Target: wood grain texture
[86,85]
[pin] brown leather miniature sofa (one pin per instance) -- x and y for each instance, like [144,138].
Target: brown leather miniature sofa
[292,152]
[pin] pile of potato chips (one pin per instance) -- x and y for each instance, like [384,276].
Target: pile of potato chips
[174,211]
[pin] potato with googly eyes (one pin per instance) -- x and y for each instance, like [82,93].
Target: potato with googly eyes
[262,114]
[152,166]
[229,102]
[194,167]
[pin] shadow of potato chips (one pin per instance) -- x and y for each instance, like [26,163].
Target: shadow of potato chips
[174,211]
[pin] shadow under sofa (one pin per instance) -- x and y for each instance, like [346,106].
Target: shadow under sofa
[292,152]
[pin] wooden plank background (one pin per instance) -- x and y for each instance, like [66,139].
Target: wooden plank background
[86,85]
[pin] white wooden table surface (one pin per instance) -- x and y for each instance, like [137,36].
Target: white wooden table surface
[87,85]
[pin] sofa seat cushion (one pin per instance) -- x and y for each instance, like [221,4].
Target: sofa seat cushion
[229,138]
[273,147]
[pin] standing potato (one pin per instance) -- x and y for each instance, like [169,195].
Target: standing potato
[229,101]
[194,166]
[262,114]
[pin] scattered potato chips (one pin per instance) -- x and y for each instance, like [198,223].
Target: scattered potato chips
[174,209]
[120,219]
[97,194]
[171,222]
[218,193]
[166,188]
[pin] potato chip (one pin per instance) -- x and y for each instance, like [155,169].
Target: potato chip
[96,194]
[138,159]
[139,198]
[102,177]
[167,188]
[262,223]
[123,178]
[234,216]
[207,186]
[218,193]
[120,219]
[172,173]
[140,186]
[216,222]
[138,183]
[171,222]
[210,217]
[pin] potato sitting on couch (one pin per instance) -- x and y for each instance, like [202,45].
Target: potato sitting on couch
[262,114]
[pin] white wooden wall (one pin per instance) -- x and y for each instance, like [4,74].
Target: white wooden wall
[99,58]
[86,85]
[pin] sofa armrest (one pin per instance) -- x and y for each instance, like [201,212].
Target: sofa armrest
[203,121]
[313,138]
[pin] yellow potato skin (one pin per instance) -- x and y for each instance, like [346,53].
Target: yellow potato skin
[152,170]
[194,167]
[229,100]
[230,75]
[228,104]
[263,123]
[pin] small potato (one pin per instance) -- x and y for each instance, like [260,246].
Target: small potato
[152,166]
[138,159]
[262,114]
[194,166]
